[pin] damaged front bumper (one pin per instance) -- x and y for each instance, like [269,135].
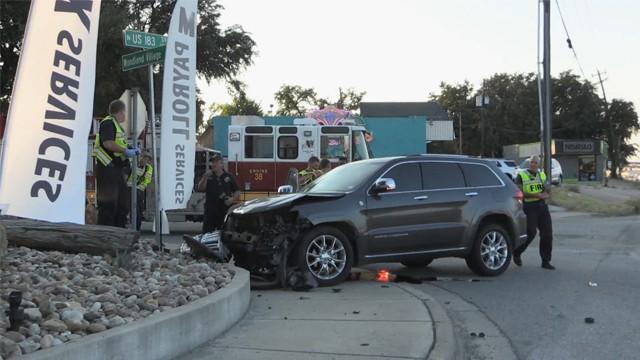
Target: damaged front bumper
[263,244]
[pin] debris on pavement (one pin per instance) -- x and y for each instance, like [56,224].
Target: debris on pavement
[589,320]
[593,284]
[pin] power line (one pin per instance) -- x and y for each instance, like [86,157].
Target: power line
[569,43]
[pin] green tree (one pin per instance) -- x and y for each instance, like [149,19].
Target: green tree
[240,104]
[457,100]
[294,100]
[13,15]
[621,121]
[348,99]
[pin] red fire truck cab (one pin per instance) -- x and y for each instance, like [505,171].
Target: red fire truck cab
[260,156]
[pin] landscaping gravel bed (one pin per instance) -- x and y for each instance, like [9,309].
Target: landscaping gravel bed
[68,296]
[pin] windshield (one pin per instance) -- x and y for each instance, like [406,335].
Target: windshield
[359,148]
[345,178]
[510,163]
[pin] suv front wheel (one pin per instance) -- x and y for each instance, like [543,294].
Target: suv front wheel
[491,253]
[327,254]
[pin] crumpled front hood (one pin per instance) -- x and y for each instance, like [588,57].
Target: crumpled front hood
[272,203]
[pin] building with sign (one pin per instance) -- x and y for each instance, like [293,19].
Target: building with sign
[583,160]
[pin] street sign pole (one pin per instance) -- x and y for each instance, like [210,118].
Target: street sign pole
[156,183]
[133,219]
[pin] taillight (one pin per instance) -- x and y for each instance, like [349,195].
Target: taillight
[519,196]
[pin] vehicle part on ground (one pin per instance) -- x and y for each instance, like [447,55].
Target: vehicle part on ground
[417,263]
[491,253]
[207,245]
[327,254]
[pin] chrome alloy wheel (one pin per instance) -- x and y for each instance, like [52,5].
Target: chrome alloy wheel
[494,250]
[326,257]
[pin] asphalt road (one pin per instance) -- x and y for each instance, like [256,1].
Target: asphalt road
[542,313]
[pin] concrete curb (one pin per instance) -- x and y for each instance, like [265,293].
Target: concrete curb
[166,335]
[444,341]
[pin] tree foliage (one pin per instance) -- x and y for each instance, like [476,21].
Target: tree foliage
[240,103]
[221,52]
[513,115]
[621,121]
[294,100]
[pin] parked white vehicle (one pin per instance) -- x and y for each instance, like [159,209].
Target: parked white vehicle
[509,167]
[556,170]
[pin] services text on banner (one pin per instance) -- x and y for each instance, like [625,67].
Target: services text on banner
[44,158]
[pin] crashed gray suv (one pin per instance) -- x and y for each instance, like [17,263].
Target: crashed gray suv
[402,209]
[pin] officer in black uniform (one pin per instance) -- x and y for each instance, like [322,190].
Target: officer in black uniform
[533,183]
[221,192]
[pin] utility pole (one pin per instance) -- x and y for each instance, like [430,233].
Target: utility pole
[460,131]
[133,132]
[610,137]
[547,89]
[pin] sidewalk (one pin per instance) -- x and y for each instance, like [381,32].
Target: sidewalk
[354,320]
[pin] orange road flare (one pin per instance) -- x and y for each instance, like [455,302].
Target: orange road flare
[384,276]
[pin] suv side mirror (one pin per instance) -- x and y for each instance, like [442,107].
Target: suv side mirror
[285,189]
[384,185]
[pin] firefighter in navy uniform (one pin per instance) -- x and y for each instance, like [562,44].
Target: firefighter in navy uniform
[112,154]
[532,182]
[221,192]
[144,175]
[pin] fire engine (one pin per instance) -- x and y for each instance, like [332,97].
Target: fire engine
[261,156]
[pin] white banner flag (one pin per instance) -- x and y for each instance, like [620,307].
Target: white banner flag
[178,131]
[44,159]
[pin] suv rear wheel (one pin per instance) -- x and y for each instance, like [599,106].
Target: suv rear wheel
[327,254]
[491,253]
[417,263]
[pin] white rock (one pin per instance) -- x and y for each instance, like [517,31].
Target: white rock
[33,314]
[72,315]
[46,341]
[29,346]
[34,329]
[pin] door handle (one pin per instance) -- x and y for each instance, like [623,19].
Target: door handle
[471,194]
[423,197]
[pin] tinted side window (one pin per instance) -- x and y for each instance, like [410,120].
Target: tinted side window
[437,175]
[479,175]
[407,177]
[258,146]
[288,147]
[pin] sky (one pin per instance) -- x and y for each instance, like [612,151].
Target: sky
[401,50]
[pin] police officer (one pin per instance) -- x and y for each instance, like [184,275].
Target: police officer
[221,192]
[533,183]
[112,153]
[311,173]
[145,176]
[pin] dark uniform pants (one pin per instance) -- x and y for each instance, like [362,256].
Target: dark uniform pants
[538,218]
[112,196]
[213,220]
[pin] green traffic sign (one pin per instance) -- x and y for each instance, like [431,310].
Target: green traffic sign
[142,58]
[143,40]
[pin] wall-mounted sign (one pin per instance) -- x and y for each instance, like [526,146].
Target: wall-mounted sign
[578,147]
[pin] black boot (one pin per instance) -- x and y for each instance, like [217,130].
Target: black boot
[517,260]
[547,265]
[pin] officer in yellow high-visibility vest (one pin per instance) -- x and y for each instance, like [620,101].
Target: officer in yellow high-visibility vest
[144,175]
[533,183]
[311,173]
[112,165]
